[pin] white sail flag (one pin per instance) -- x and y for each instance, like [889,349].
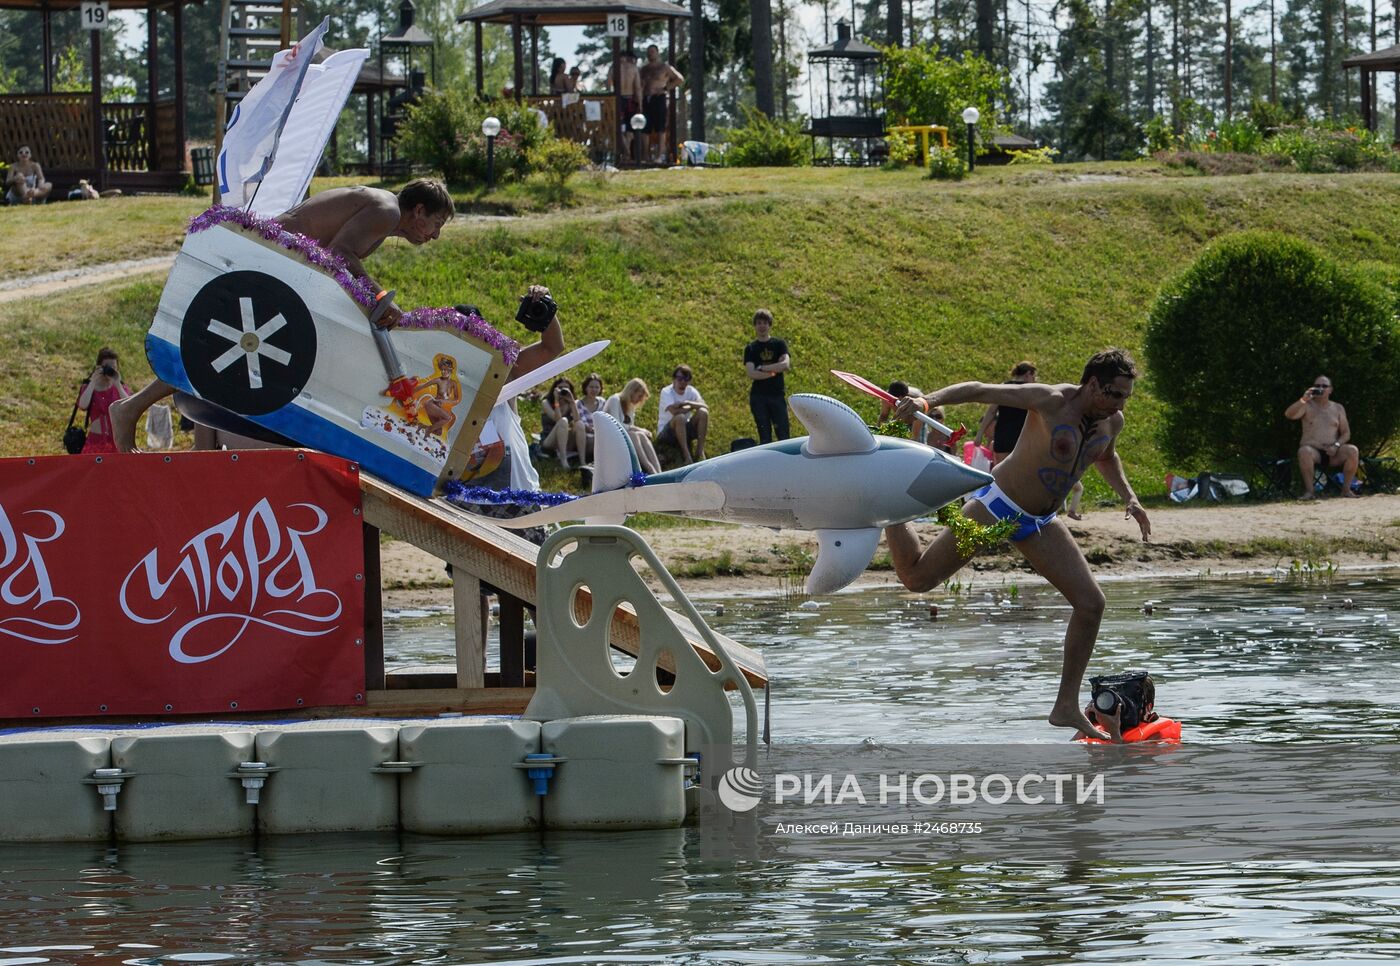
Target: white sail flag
[250,140]
[307,130]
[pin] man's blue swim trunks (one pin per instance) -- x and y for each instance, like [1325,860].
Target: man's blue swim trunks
[1003,508]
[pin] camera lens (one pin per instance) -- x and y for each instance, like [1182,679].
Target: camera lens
[1105,701]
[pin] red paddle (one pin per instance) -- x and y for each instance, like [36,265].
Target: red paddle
[870,389]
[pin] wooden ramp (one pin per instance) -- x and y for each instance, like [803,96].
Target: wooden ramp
[482,553]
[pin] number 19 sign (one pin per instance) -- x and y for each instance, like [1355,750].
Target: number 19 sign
[617,25]
[94,14]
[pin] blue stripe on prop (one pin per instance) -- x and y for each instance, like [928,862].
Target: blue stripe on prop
[308,429]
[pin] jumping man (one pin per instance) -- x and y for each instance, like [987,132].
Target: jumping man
[1068,429]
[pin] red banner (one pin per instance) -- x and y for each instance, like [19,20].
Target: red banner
[192,583]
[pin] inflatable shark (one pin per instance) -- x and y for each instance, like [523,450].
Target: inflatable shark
[842,482]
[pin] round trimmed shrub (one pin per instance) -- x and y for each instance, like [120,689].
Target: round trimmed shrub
[1237,337]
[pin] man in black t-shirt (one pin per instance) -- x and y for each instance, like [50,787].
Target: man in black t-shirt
[765,361]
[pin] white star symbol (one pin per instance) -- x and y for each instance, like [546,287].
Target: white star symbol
[250,344]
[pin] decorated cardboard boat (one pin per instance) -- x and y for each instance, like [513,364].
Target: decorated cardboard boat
[259,340]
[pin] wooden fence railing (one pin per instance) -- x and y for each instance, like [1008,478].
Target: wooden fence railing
[58,128]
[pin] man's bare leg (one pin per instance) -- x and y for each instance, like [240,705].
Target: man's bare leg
[128,412]
[1056,557]
[678,429]
[1351,458]
[921,570]
[1307,457]
[701,422]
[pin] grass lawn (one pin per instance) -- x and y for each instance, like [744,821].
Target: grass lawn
[882,273]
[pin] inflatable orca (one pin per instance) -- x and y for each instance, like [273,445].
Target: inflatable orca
[842,482]
[251,333]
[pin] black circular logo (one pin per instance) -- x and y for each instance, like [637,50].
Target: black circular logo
[248,343]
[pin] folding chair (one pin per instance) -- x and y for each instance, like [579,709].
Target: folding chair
[1273,479]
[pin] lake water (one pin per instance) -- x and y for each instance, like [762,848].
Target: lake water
[1236,660]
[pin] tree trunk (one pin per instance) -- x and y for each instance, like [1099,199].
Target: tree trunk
[1176,66]
[1273,56]
[1229,59]
[986,29]
[761,23]
[696,80]
[894,23]
[1151,65]
[783,55]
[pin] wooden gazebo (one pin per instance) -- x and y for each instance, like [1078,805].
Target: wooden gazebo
[596,126]
[1384,61]
[133,145]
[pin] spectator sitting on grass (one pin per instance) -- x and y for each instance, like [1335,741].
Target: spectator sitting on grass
[557,417]
[623,407]
[684,418]
[25,184]
[586,406]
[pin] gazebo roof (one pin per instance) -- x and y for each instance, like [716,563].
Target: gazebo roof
[59,5]
[1387,58]
[575,13]
[846,46]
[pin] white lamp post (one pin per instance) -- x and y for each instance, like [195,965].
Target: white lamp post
[970,117]
[637,122]
[490,127]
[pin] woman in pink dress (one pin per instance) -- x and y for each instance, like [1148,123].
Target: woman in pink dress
[100,390]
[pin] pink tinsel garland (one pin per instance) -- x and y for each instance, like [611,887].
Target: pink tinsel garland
[358,288]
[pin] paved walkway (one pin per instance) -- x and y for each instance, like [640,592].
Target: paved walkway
[32,286]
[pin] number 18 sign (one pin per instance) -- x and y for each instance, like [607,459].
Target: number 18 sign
[94,14]
[617,25]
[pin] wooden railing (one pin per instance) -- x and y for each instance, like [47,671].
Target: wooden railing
[600,136]
[58,128]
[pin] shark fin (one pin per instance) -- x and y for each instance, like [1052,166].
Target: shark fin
[616,505]
[833,427]
[842,556]
[614,459]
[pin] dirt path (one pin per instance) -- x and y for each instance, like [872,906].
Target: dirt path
[1187,540]
[34,286]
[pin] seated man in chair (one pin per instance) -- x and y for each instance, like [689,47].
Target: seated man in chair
[1325,437]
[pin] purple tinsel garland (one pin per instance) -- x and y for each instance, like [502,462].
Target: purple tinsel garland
[458,492]
[358,288]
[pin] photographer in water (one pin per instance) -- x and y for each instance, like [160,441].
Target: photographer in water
[1124,705]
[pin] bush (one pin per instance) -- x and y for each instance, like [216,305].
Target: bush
[903,149]
[1235,339]
[558,160]
[765,142]
[1043,155]
[1222,163]
[922,87]
[442,131]
[946,164]
[1320,149]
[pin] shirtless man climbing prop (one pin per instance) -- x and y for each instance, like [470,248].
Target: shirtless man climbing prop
[1068,429]
[1325,435]
[352,222]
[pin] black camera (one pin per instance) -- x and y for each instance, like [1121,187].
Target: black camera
[535,313]
[1132,691]
[109,371]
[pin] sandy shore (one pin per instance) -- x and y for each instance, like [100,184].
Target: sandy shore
[1190,540]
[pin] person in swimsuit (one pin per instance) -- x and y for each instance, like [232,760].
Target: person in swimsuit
[1068,429]
[1325,437]
[658,80]
[26,184]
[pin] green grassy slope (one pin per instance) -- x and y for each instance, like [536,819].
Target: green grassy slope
[877,272]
